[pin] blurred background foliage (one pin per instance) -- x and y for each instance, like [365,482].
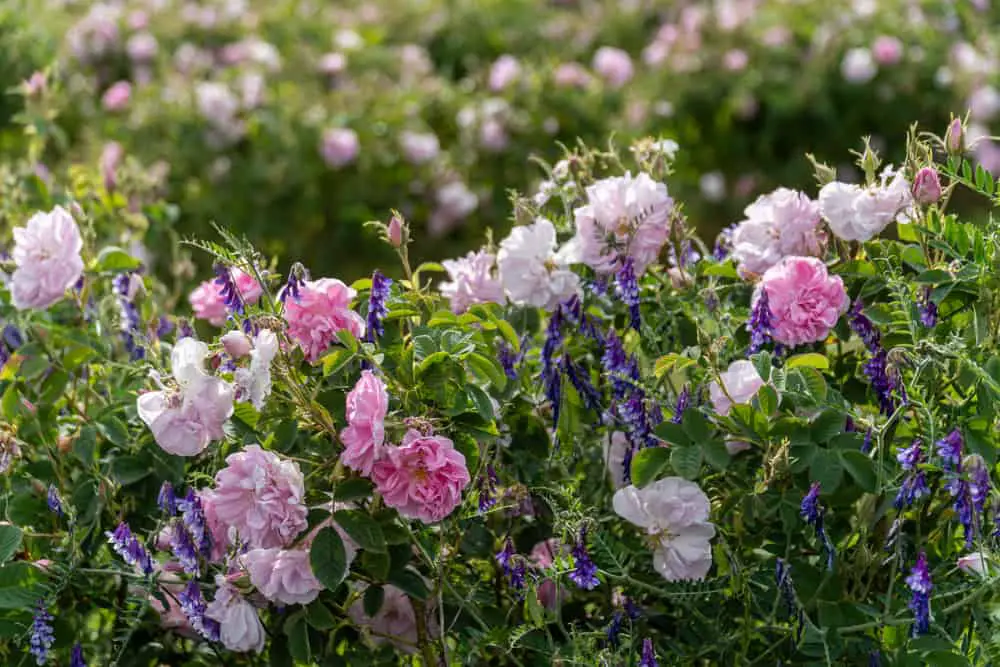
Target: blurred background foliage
[223,105]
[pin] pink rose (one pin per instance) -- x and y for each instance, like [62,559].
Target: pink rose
[423,478]
[111,158]
[542,557]
[472,281]
[623,215]
[260,495]
[367,405]
[504,72]
[208,303]
[47,255]
[804,299]
[741,383]
[218,530]
[322,309]
[116,98]
[395,622]
[887,50]
[240,628]
[613,65]
[339,147]
[777,225]
[283,576]
[571,75]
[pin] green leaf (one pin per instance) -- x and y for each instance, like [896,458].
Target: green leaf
[410,583]
[352,489]
[10,541]
[85,445]
[809,359]
[481,401]
[348,340]
[686,461]
[672,433]
[298,639]
[319,616]
[114,431]
[762,362]
[130,469]
[374,597]
[861,469]
[827,469]
[362,528]
[328,558]
[828,425]
[716,454]
[934,277]
[648,464]
[336,360]
[488,369]
[115,259]
[813,383]
[767,398]
[696,426]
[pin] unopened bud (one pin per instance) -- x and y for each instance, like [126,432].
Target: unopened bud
[394,231]
[927,186]
[76,210]
[237,344]
[954,138]
[36,85]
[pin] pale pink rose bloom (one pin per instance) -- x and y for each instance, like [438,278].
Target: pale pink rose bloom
[858,66]
[472,281]
[111,158]
[322,309]
[805,300]
[741,381]
[339,147]
[735,60]
[531,270]
[236,343]
[454,201]
[218,530]
[614,458]
[332,64]
[543,556]
[571,75]
[423,478]
[367,406]
[260,495]
[240,628]
[141,47]
[419,147]
[634,213]
[283,576]
[208,304]
[887,50]
[984,103]
[117,96]
[253,382]
[395,622]
[673,512]
[185,420]
[47,255]
[493,135]
[777,225]
[976,563]
[613,65]
[858,213]
[172,617]
[505,71]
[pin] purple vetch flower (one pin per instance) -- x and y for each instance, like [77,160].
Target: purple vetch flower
[876,369]
[551,372]
[184,329]
[612,634]
[164,326]
[230,292]
[783,576]
[875,659]
[377,309]
[648,658]
[919,583]
[54,501]
[584,572]
[487,489]
[759,325]
[505,556]
[193,605]
[509,359]
[293,285]
[42,636]
[166,499]
[76,656]
[129,329]
[723,244]
[586,323]
[628,290]
[622,370]
[183,548]
[813,513]
[979,481]
[579,378]
[863,326]
[518,574]
[958,487]
[950,450]
[129,548]
[683,400]
[928,310]
[866,444]
[599,286]
[193,517]
[915,484]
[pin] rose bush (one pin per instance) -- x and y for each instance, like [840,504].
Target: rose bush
[660,455]
[301,122]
